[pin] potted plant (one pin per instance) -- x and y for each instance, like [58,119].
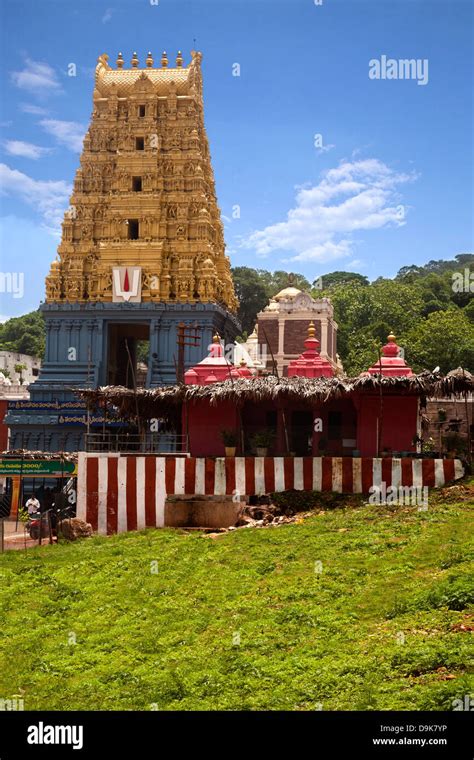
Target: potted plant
[428,447]
[262,441]
[229,438]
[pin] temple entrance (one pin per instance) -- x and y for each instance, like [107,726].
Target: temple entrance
[126,349]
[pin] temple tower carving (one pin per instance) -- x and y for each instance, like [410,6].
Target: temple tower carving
[144,193]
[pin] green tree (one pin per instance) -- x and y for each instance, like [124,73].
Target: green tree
[469,310]
[24,335]
[252,295]
[19,371]
[255,287]
[363,352]
[276,281]
[366,315]
[338,278]
[444,339]
[438,266]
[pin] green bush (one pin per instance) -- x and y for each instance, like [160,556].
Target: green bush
[292,501]
[456,592]
[295,501]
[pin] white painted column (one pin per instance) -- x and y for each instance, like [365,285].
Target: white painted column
[160,491]
[81,507]
[102,495]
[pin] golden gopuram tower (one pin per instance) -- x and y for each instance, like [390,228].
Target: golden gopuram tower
[142,254]
[144,195]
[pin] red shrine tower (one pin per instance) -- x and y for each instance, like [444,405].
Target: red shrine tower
[391,363]
[215,368]
[310,363]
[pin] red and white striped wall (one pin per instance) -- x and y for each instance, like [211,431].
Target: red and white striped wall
[118,493]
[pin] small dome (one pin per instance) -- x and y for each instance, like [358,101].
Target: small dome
[289,292]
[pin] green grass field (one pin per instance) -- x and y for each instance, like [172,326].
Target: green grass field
[356,608]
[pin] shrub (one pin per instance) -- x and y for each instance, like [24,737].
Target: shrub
[455,592]
[229,437]
[263,439]
[301,501]
[454,442]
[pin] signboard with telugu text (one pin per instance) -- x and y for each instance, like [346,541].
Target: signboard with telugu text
[37,467]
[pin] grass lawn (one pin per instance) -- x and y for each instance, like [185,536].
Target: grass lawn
[354,608]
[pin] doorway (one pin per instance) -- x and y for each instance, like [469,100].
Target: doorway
[124,359]
[301,433]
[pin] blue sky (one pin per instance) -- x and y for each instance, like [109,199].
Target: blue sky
[388,183]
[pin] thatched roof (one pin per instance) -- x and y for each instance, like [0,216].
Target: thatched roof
[165,401]
[67,456]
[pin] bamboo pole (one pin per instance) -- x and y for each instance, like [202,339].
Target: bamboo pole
[285,431]
[130,364]
[275,368]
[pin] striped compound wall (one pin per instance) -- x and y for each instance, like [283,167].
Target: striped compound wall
[119,493]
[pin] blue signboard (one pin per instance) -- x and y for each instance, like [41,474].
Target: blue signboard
[78,417]
[48,405]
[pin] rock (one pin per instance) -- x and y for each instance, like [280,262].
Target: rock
[243,522]
[74,528]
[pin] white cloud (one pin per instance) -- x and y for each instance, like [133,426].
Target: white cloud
[37,78]
[36,110]
[355,264]
[107,15]
[354,196]
[49,197]
[25,149]
[67,133]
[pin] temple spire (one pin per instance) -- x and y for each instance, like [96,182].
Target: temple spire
[310,363]
[391,363]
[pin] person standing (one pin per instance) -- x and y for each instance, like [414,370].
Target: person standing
[32,505]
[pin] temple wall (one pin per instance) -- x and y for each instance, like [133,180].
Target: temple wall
[121,493]
[399,420]
[295,332]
